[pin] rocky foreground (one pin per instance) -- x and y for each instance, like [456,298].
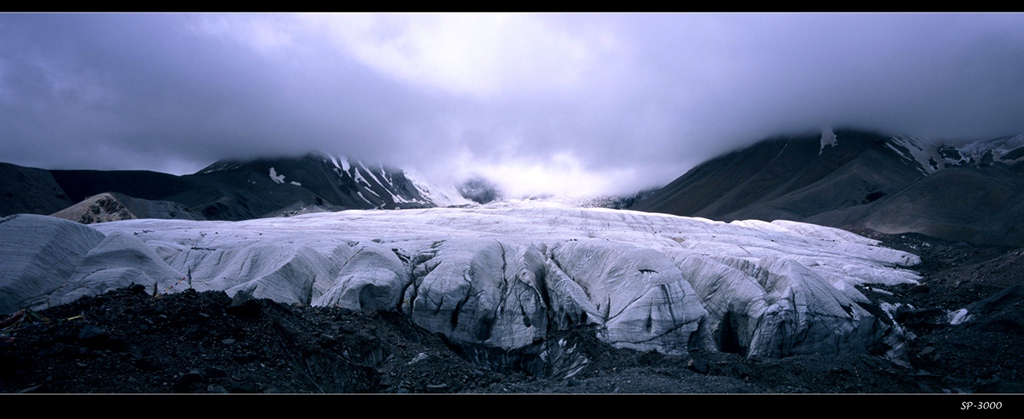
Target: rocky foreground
[128,341]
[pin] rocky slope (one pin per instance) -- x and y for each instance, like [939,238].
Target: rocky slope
[112,206]
[30,190]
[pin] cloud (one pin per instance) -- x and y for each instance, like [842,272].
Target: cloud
[548,103]
[481,55]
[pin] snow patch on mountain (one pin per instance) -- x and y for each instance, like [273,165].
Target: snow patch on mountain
[441,196]
[1000,146]
[923,152]
[828,138]
[932,155]
[339,161]
[275,177]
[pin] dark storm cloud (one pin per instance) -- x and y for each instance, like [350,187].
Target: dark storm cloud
[600,102]
[749,75]
[140,91]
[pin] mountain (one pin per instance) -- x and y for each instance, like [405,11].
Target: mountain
[225,190]
[856,179]
[339,181]
[30,190]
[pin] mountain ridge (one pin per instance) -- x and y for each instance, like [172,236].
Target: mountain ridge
[861,180]
[231,189]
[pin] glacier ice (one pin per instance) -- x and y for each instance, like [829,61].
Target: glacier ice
[503,275]
[38,255]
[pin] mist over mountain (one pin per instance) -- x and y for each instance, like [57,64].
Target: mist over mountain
[967,191]
[225,190]
[847,178]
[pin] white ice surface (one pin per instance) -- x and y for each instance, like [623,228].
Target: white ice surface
[38,254]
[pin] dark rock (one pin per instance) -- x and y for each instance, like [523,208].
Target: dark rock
[237,387]
[741,370]
[188,383]
[99,338]
[215,388]
[437,388]
[244,305]
[698,365]
[137,289]
[213,372]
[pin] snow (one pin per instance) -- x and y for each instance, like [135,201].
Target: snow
[439,196]
[507,274]
[998,146]
[274,177]
[339,161]
[924,152]
[370,172]
[828,138]
[959,317]
[359,177]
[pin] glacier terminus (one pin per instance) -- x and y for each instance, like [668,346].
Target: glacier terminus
[502,275]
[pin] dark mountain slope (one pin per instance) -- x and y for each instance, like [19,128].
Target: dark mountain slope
[848,176]
[79,184]
[29,190]
[241,194]
[336,180]
[786,178]
[235,196]
[980,205]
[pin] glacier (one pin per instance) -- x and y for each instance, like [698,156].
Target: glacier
[503,275]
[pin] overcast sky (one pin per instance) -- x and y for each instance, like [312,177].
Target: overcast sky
[594,103]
